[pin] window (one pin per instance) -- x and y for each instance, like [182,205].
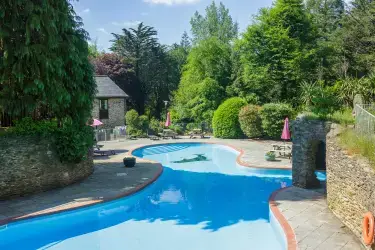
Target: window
[103,109]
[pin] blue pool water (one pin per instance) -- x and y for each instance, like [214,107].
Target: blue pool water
[202,201]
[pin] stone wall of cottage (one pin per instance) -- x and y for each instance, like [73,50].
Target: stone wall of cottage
[116,112]
[30,165]
[350,186]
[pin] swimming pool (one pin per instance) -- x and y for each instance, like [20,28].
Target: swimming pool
[203,200]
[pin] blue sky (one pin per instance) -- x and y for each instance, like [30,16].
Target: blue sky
[170,17]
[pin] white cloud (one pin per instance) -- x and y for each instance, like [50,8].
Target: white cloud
[127,24]
[102,30]
[171,2]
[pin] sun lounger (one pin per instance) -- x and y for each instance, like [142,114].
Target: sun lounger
[154,137]
[104,152]
[168,133]
[197,132]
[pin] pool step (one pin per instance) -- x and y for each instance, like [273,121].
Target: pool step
[164,149]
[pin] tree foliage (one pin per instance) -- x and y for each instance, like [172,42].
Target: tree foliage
[44,64]
[276,53]
[356,40]
[155,68]
[216,23]
[44,60]
[205,77]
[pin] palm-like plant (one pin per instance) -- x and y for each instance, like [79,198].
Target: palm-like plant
[308,91]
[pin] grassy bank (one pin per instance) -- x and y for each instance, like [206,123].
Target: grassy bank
[356,144]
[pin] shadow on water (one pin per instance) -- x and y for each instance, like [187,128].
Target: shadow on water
[188,198]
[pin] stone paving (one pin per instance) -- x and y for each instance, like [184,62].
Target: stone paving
[314,225]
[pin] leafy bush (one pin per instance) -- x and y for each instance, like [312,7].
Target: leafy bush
[225,121]
[250,121]
[136,125]
[143,123]
[27,126]
[322,101]
[131,118]
[325,102]
[178,129]
[273,116]
[191,126]
[155,126]
[73,142]
[349,87]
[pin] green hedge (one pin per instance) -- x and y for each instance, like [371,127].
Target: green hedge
[273,116]
[136,125]
[72,141]
[225,121]
[250,121]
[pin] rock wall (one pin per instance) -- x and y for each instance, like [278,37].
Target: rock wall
[30,165]
[309,142]
[116,112]
[350,186]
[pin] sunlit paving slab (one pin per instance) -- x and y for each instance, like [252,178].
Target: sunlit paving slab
[314,225]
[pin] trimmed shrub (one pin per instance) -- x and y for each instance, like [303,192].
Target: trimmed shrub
[155,126]
[135,123]
[250,121]
[73,142]
[225,121]
[273,116]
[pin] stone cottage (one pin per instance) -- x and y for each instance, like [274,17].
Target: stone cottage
[110,103]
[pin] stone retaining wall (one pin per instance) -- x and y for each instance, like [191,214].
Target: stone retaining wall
[30,165]
[350,186]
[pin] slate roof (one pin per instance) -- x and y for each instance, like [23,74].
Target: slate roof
[107,88]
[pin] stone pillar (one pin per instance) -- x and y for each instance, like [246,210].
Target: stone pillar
[307,138]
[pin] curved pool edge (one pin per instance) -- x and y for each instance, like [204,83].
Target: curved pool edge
[239,161]
[283,227]
[289,233]
[290,241]
[72,207]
